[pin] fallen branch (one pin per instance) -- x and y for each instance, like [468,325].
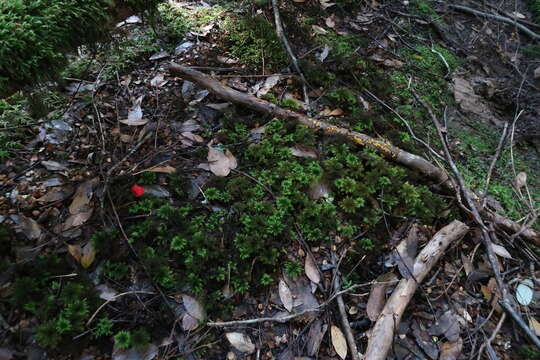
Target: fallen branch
[382,334]
[507,20]
[383,148]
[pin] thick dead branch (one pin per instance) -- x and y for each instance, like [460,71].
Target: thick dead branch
[384,148]
[382,334]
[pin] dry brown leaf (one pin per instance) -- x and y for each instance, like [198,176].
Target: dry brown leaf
[451,350]
[335,112]
[192,137]
[158,81]
[392,63]
[300,150]
[189,322]
[125,138]
[219,162]
[88,255]
[319,189]
[30,228]
[311,270]
[77,220]
[84,255]
[56,194]
[285,296]
[534,325]
[338,342]
[467,264]
[193,307]
[318,30]
[82,197]
[315,337]
[326,4]
[75,251]
[241,342]
[377,296]
[405,252]
[330,22]
[501,251]
[164,168]
[486,292]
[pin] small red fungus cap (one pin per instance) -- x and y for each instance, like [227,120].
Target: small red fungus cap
[137,190]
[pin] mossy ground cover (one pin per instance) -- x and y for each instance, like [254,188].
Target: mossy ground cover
[240,233]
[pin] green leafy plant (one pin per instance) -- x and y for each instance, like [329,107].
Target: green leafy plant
[293,268]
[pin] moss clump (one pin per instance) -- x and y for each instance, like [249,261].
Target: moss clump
[236,236]
[35,34]
[253,40]
[61,307]
[13,113]
[425,7]
[177,21]
[344,47]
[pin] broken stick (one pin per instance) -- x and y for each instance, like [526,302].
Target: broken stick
[384,148]
[382,334]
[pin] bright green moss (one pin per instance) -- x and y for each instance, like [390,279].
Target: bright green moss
[253,41]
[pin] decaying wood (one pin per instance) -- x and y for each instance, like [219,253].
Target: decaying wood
[384,148]
[382,334]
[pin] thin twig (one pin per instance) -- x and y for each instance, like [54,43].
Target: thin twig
[343,313]
[114,298]
[492,337]
[500,146]
[283,319]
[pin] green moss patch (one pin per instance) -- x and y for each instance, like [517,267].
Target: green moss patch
[253,41]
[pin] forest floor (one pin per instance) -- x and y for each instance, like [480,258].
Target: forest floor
[139,210]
